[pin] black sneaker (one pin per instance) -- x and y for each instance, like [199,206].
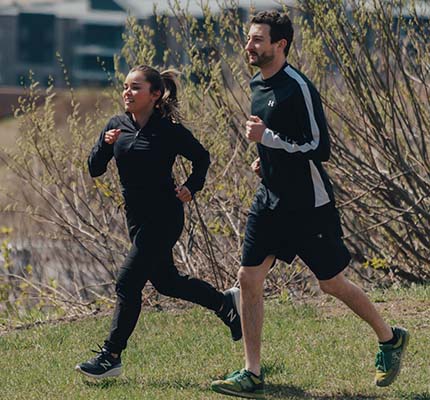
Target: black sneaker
[103,365]
[229,313]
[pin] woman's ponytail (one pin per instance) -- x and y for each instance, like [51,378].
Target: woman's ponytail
[168,103]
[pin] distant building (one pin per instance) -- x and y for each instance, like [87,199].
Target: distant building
[86,33]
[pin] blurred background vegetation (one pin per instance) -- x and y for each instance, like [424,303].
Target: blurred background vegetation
[63,234]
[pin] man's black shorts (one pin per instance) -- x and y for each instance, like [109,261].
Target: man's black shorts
[314,235]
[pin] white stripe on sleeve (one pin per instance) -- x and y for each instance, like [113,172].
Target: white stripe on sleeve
[321,195]
[273,140]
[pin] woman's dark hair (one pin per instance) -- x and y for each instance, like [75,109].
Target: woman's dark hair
[280,26]
[165,82]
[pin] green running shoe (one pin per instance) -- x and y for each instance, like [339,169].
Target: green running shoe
[241,383]
[389,358]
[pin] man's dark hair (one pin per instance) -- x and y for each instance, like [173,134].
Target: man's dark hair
[280,26]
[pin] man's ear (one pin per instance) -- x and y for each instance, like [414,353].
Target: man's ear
[282,43]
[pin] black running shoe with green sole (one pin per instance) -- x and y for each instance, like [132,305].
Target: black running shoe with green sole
[104,365]
[241,383]
[389,358]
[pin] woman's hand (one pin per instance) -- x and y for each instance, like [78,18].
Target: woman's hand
[183,194]
[111,136]
[256,166]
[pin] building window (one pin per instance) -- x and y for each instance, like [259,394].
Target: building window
[103,35]
[36,38]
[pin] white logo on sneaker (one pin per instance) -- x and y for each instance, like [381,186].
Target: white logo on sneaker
[231,315]
[106,364]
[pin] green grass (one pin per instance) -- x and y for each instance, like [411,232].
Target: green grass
[309,351]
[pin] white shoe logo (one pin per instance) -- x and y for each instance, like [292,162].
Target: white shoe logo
[106,364]
[231,315]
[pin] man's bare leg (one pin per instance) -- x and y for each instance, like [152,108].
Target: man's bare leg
[355,298]
[252,311]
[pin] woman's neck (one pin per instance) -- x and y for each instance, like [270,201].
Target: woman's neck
[142,118]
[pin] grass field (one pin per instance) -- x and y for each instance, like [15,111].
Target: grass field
[316,350]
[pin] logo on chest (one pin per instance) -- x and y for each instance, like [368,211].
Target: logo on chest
[271,103]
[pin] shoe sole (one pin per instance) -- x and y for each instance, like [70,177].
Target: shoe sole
[222,390]
[108,374]
[393,378]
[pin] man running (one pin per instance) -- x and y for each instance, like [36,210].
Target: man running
[293,212]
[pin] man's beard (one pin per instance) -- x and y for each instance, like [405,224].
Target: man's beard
[261,60]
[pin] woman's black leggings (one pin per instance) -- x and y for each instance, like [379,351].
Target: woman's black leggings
[153,234]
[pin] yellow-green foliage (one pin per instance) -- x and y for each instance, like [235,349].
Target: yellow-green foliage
[371,61]
[373,77]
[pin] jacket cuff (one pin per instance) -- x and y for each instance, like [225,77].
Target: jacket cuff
[267,138]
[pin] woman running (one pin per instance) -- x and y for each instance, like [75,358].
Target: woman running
[145,141]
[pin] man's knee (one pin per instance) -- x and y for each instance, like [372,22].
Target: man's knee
[334,286]
[249,278]
[253,277]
